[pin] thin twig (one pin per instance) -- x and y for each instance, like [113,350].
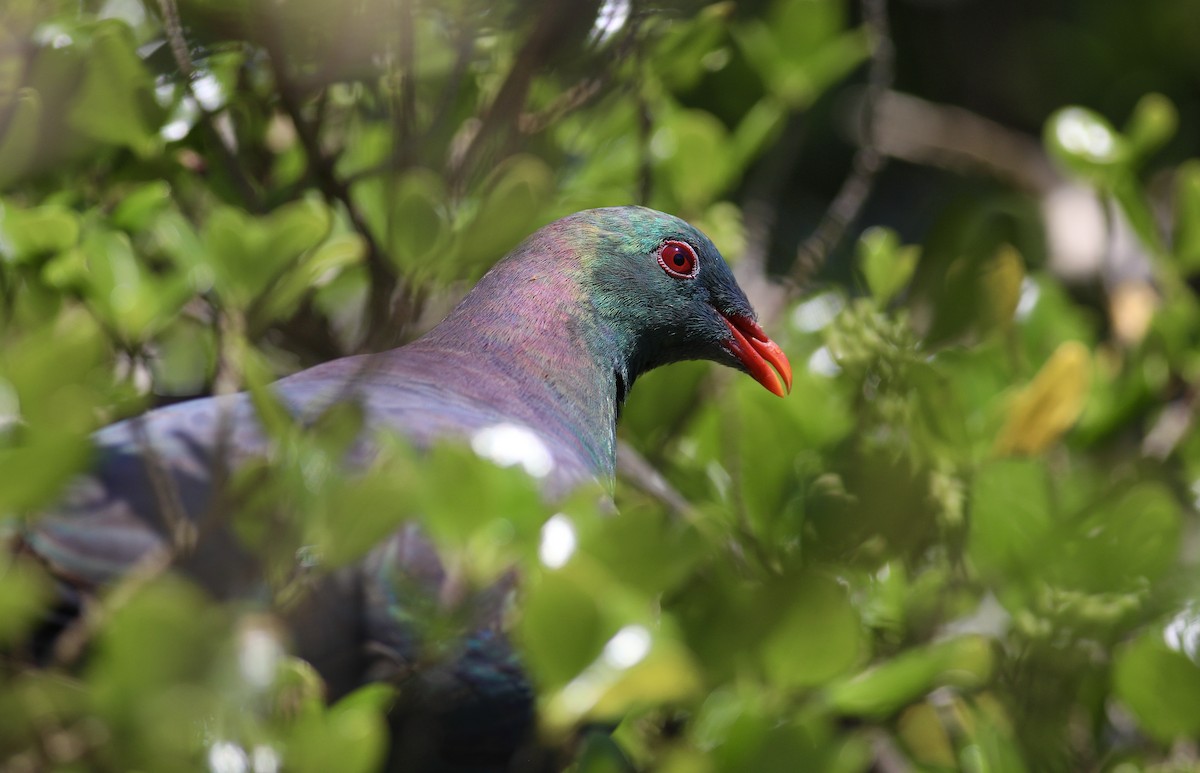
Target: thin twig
[70,645]
[180,529]
[501,114]
[588,88]
[463,50]
[230,330]
[183,60]
[763,190]
[868,160]
[634,468]
[646,160]
[406,107]
[379,313]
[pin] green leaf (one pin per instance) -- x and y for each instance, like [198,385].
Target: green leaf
[818,637]
[516,193]
[29,234]
[24,591]
[115,103]
[681,137]
[249,254]
[760,126]
[1011,519]
[140,206]
[886,265]
[1122,541]
[351,736]
[36,470]
[1160,685]
[325,264]
[418,225]
[562,626]
[164,634]
[1187,215]
[882,690]
[1152,124]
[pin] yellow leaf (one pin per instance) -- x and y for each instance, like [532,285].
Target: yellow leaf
[1040,413]
[925,737]
[1000,287]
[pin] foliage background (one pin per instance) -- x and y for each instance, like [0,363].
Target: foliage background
[966,541]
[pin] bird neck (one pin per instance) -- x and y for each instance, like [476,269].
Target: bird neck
[537,346]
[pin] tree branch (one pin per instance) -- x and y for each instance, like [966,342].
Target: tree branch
[225,148]
[502,113]
[379,315]
[868,160]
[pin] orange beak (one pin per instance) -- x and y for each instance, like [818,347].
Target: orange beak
[759,354]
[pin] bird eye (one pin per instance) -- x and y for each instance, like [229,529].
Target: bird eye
[678,259]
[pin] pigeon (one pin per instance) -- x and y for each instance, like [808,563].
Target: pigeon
[547,345]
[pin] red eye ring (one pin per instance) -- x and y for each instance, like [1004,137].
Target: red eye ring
[678,259]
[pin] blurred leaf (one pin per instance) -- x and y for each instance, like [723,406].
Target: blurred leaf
[880,691]
[761,125]
[1087,144]
[475,505]
[800,49]
[957,734]
[26,234]
[351,736]
[818,635]
[139,207]
[322,266]
[1137,210]
[185,358]
[679,57]
[1047,407]
[682,137]
[409,216]
[131,300]
[116,103]
[248,254]
[1153,122]
[36,470]
[1121,541]
[885,264]
[1187,215]
[1011,520]
[24,592]
[562,627]
[1160,685]
[514,195]
[160,635]
[600,754]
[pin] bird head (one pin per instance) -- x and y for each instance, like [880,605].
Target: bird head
[664,291]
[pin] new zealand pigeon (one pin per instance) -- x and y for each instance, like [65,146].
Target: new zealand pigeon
[549,342]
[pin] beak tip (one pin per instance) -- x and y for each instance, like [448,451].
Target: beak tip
[760,354]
